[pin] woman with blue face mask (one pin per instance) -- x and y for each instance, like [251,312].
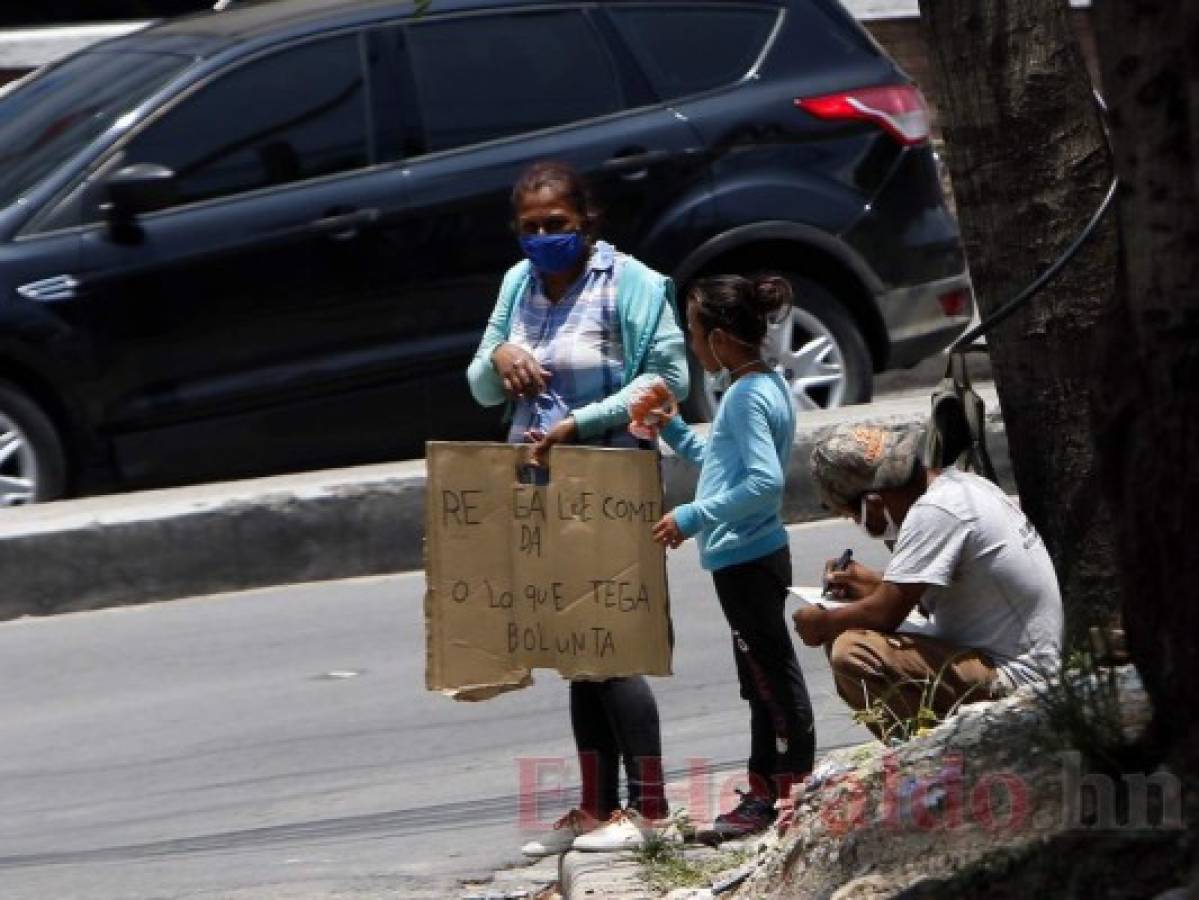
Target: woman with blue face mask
[576,323]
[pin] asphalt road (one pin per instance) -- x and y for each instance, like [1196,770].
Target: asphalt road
[280,744]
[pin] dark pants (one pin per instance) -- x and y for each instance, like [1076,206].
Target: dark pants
[616,721]
[782,732]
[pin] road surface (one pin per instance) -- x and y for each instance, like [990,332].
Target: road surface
[280,743]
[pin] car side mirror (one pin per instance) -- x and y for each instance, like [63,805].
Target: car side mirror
[133,191]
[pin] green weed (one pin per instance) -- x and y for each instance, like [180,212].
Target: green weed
[893,725]
[666,866]
[1081,707]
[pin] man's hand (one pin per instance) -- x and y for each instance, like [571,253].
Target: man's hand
[883,610]
[853,583]
[519,371]
[564,432]
[812,625]
[667,532]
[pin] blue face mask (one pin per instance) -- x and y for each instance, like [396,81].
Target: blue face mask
[553,253]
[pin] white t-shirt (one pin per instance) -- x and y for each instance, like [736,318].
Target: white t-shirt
[991,583]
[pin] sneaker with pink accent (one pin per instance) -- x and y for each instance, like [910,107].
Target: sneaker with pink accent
[627,829]
[560,838]
[753,814]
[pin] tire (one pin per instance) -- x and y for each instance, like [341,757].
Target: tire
[817,348]
[32,463]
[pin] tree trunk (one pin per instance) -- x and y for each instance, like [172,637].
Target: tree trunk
[1148,426]
[1029,167]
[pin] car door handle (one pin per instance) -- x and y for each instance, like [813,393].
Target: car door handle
[50,290]
[344,226]
[636,162]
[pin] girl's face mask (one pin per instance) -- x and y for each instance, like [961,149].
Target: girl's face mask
[890,532]
[721,378]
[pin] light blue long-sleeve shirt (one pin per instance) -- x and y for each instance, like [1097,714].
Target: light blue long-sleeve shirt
[743,467]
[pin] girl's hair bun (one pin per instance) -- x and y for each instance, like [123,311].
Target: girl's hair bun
[772,293]
[744,307]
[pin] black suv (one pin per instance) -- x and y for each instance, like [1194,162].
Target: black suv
[268,238]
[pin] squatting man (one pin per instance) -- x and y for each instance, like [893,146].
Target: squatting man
[963,553]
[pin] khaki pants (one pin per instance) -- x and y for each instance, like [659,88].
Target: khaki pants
[897,675]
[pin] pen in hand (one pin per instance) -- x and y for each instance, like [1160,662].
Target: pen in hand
[840,565]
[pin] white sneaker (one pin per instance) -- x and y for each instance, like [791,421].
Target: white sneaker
[627,829]
[560,838]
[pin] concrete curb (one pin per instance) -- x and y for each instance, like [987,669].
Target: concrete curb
[186,542]
[344,523]
[601,876]
[621,875]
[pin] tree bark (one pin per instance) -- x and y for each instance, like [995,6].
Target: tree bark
[1148,426]
[1030,166]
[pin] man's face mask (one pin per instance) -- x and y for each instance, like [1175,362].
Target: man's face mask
[890,533]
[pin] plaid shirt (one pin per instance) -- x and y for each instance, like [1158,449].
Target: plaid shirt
[578,340]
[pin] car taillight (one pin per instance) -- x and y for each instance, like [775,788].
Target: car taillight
[955,303]
[900,109]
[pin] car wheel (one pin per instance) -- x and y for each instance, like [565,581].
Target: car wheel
[32,464]
[815,346]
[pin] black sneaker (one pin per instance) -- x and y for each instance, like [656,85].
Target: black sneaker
[753,814]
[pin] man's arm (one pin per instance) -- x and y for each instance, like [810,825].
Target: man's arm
[884,609]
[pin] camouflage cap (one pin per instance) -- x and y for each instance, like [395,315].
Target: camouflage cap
[853,459]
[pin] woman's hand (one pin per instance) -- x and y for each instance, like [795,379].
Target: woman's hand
[519,370]
[852,583]
[564,432]
[667,532]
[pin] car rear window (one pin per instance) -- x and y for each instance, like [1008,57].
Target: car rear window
[685,50]
[485,77]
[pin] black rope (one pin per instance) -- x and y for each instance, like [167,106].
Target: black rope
[965,344]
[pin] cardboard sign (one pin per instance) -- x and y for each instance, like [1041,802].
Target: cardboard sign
[563,575]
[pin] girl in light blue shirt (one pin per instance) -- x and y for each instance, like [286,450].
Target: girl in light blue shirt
[735,518]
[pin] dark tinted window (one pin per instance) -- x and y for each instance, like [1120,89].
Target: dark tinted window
[393,95]
[299,113]
[48,119]
[684,50]
[485,77]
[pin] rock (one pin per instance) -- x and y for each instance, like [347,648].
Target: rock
[873,820]
[867,888]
